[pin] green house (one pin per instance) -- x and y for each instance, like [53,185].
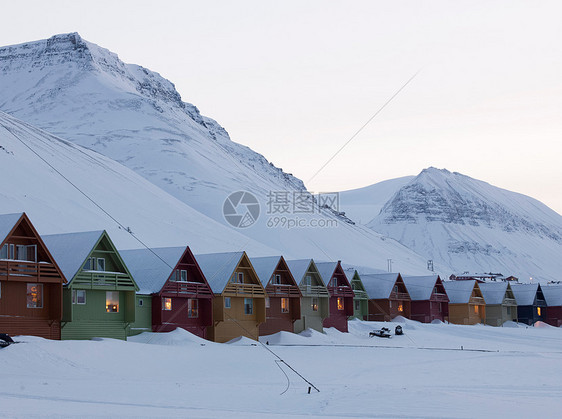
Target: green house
[99,298]
[361,299]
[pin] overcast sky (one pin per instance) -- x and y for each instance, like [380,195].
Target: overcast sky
[294,80]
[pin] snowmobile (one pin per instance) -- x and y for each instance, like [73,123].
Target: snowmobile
[383,332]
[5,340]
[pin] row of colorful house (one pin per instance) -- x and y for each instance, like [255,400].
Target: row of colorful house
[79,286]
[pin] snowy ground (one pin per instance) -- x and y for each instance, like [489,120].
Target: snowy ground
[510,371]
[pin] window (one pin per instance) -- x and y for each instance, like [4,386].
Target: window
[509,310]
[34,295]
[334,282]
[112,301]
[192,308]
[141,302]
[101,264]
[267,302]
[538,311]
[248,306]
[166,304]
[475,309]
[226,302]
[396,288]
[90,264]
[79,297]
[4,252]
[12,252]
[340,303]
[238,278]
[0,290]
[308,280]
[314,304]
[357,304]
[183,275]
[440,307]
[400,308]
[28,253]
[284,305]
[276,279]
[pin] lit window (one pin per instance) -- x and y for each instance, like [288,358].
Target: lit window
[34,295]
[183,275]
[538,311]
[166,304]
[101,264]
[476,309]
[192,308]
[400,308]
[112,301]
[78,296]
[226,302]
[284,305]
[267,302]
[248,306]
[340,303]
[314,304]
[4,252]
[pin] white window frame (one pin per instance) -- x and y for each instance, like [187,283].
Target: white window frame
[314,302]
[183,278]
[164,300]
[248,303]
[227,302]
[106,299]
[75,297]
[98,264]
[276,279]
[267,302]
[141,302]
[4,253]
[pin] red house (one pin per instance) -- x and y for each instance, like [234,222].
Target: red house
[181,296]
[429,299]
[30,281]
[388,296]
[553,297]
[283,301]
[341,294]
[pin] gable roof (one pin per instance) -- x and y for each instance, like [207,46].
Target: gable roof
[379,286]
[493,292]
[459,292]
[525,293]
[420,287]
[218,268]
[150,271]
[299,268]
[7,223]
[326,270]
[70,250]
[552,295]
[264,267]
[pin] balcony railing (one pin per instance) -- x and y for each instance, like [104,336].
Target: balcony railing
[477,300]
[19,270]
[436,296]
[361,295]
[283,290]
[314,291]
[399,295]
[341,291]
[244,290]
[509,302]
[196,289]
[103,280]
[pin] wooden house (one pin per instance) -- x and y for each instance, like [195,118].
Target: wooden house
[30,281]
[553,297]
[341,294]
[99,299]
[283,301]
[239,297]
[360,299]
[429,298]
[173,291]
[388,296]
[315,300]
[500,303]
[466,304]
[531,305]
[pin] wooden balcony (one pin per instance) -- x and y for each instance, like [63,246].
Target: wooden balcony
[93,280]
[244,290]
[23,271]
[399,296]
[477,300]
[360,295]
[436,296]
[314,291]
[341,291]
[509,302]
[184,288]
[282,290]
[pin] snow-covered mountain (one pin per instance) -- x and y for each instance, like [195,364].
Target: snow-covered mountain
[85,94]
[471,225]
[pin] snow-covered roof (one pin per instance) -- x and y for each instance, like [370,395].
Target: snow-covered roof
[493,292]
[299,268]
[552,295]
[150,271]
[70,250]
[459,292]
[525,293]
[326,270]
[7,222]
[218,268]
[264,267]
[379,286]
[420,287]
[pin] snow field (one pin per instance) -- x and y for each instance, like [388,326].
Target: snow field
[510,371]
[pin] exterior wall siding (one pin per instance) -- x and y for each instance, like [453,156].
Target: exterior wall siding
[466,313]
[338,318]
[554,315]
[143,315]
[311,319]
[236,323]
[276,320]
